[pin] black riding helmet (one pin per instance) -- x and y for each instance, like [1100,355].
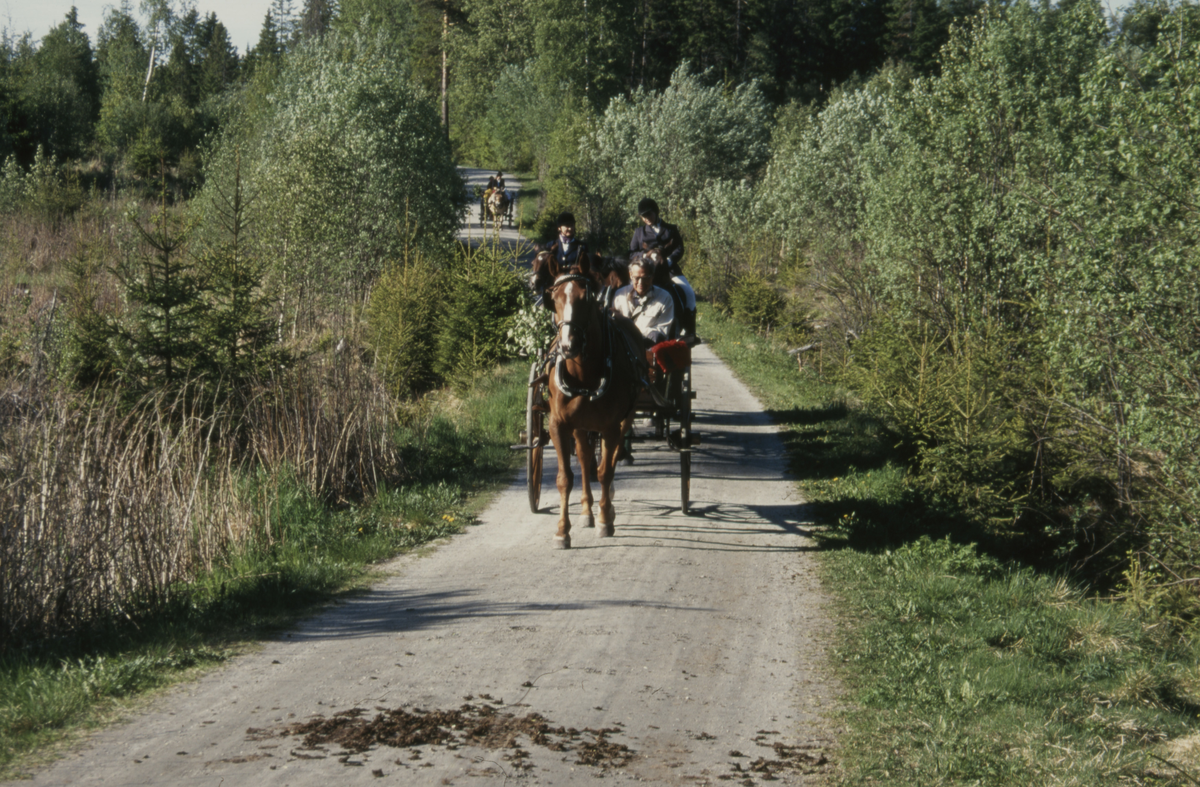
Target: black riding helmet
[647,206]
[565,219]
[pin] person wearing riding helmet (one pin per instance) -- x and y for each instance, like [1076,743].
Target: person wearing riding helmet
[654,232]
[566,247]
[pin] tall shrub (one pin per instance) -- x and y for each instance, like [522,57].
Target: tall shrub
[1120,288]
[676,143]
[403,316]
[483,295]
[350,165]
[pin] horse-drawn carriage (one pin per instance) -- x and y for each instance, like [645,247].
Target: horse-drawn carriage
[496,206]
[589,389]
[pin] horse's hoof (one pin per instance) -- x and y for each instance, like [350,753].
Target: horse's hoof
[607,531]
[586,520]
[562,542]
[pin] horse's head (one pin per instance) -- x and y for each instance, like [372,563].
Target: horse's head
[574,311]
[662,268]
[610,272]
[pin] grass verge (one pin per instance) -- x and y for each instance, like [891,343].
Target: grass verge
[529,199]
[457,450]
[967,662]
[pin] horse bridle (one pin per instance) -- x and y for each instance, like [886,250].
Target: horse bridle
[567,278]
[560,379]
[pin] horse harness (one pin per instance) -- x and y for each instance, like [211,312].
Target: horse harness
[560,376]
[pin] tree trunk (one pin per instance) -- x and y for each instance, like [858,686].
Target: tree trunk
[445,69]
[150,69]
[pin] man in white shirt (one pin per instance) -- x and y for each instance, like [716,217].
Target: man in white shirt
[651,308]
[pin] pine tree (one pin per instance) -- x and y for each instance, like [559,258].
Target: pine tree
[239,334]
[315,19]
[162,347]
[268,52]
[59,90]
[286,24]
[217,59]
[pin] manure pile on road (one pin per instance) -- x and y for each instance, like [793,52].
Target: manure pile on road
[347,734]
[480,725]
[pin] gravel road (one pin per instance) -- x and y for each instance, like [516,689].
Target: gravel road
[686,650]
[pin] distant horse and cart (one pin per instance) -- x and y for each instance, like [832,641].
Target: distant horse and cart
[590,385]
[496,207]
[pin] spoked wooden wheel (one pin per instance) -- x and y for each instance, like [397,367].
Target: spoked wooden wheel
[535,421]
[685,441]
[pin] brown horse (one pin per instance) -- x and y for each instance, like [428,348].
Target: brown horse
[662,270]
[497,206]
[593,386]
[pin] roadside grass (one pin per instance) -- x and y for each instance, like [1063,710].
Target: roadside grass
[529,199]
[458,455]
[966,662]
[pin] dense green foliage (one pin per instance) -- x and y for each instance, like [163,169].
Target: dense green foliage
[342,119]
[1004,252]
[433,324]
[972,660]
[980,221]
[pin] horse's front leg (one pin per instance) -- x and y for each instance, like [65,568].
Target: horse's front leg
[562,437]
[608,463]
[587,469]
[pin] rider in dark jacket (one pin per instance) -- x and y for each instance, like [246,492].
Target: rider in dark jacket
[653,231]
[566,247]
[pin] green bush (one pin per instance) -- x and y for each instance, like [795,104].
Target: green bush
[402,323]
[951,402]
[755,302]
[350,169]
[484,294]
[50,191]
[532,330]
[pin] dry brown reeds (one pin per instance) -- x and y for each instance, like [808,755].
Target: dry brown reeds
[106,510]
[331,424]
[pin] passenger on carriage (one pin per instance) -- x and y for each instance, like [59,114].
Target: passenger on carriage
[566,248]
[656,233]
[650,308]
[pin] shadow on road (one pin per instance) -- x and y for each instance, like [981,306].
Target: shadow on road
[393,611]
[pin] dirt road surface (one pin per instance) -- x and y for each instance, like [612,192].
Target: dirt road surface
[685,650]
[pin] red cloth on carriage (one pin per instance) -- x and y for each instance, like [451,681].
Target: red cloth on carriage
[673,355]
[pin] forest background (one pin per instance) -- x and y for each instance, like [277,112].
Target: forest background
[979,220]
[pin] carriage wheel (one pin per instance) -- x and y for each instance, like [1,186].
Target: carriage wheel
[685,440]
[535,422]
